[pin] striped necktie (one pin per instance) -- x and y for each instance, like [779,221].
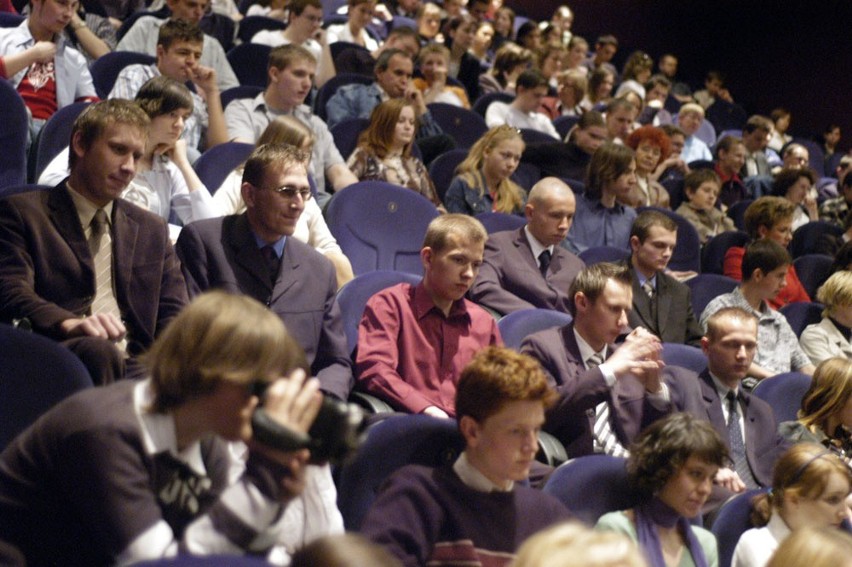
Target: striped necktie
[605,440]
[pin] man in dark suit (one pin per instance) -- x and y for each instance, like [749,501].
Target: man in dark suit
[661,304]
[527,268]
[607,395]
[251,254]
[84,267]
[730,344]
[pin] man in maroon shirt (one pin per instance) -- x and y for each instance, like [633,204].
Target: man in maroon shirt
[414,341]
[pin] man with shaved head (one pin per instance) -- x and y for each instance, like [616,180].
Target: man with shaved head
[527,268]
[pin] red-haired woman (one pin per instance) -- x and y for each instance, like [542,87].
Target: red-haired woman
[652,147]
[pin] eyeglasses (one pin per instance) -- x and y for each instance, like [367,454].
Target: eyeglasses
[289,192]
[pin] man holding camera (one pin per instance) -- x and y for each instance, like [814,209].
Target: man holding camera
[251,254]
[142,470]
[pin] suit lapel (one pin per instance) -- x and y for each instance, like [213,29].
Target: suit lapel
[125,231]
[642,305]
[64,216]
[524,245]
[713,404]
[246,253]
[288,274]
[664,302]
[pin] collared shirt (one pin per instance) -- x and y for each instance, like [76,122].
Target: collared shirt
[596,225]
[411,355]
[535,246]
[73,80]
[86,210]
[722,389]
[277,246]
[694,149]
[778,347]
[131,79]
[500,113]
[586,352]
[732,190]
[640,277]
[473,478]
[248,118]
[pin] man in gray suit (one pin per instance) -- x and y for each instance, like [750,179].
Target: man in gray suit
[252,254]
[527,268]
[661,304]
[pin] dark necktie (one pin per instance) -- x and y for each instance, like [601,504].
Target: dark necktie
[544,262]
[735,437]
[273,262]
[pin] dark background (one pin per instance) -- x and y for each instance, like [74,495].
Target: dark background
[790,53]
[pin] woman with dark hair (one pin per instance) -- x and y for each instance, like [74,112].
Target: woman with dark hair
[529,36]
[652,146]
[809,489]
[671,466]
[504,27]
[599,92]
[578,52]
[384,150]
[797,186]
[462,65]
[600,219]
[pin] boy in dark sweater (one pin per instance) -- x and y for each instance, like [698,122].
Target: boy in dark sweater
[472,511]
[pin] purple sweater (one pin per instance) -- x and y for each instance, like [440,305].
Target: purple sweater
[428,515]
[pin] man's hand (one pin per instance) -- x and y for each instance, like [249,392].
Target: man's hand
[205,78]
[44,51]
[728,478]
[103,325]
[436,412]
[639,353]
[416,98]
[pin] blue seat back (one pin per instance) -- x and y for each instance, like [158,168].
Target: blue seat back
[591,486]
[517,326]
[498,222]
[215,164]
[465,126]
[249,62]
[784,392]
[706,287]
[13,136]
[105,69]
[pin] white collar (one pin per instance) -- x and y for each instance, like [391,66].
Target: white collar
[473,478]
[586,350]
[536,246]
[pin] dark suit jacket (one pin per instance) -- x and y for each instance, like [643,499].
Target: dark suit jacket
[510,279]
[675,321]
[222,253]
[47,272]
[762,442]
[580,391]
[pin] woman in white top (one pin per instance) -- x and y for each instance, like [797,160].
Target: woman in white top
[311,227]
[165,180]
[831,336]
[809,488]
[353,31]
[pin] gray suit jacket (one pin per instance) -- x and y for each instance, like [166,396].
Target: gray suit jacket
[222,253]
[675,321]
[47,273]
[580,391]
[510,279]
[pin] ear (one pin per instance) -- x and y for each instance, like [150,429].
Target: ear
[426,255]
[528,211]
[247,191]
[762,231]
[757,275]
[273,74]
[77,144]
[470,431]
[634,243]
[705,345]
[581,302]
[160,52]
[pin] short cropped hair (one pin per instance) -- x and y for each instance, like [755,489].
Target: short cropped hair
[672,130]
[691,107]
[728,143]
[767,212]
[296,7]
[736,313]
[658,80]
[757,122]
[608,39]
[162,95]
[219,337]
[764,255]
[179,30]
[497,376]
[95,119]
[591,281]
[283,56]
[663,448]
[619,103]
[531,79]
[433,49]
[836,292]
[695,178]
[509,56]
[648,219]
[383,61]
[283,156]
[464,227]
[591,118]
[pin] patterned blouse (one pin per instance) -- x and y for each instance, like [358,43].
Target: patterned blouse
[407,172]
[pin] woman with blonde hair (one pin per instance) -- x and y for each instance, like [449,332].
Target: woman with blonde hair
[831,336]
[814,548]
[384,150]
[483,181]
[311,227]
[809,489]
[589,548]
[826,414]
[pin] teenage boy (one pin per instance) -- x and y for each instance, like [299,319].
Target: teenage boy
[523,111]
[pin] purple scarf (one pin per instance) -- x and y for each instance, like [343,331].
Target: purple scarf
[656,513]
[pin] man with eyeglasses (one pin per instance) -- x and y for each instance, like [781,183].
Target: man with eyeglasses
[143,36]
[251,254]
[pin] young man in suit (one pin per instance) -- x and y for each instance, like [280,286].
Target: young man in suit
[661,304]
[527,268]
[251,254]
[745,422]
[84,267]
[607,395]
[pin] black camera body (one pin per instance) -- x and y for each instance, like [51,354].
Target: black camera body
[337,431]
